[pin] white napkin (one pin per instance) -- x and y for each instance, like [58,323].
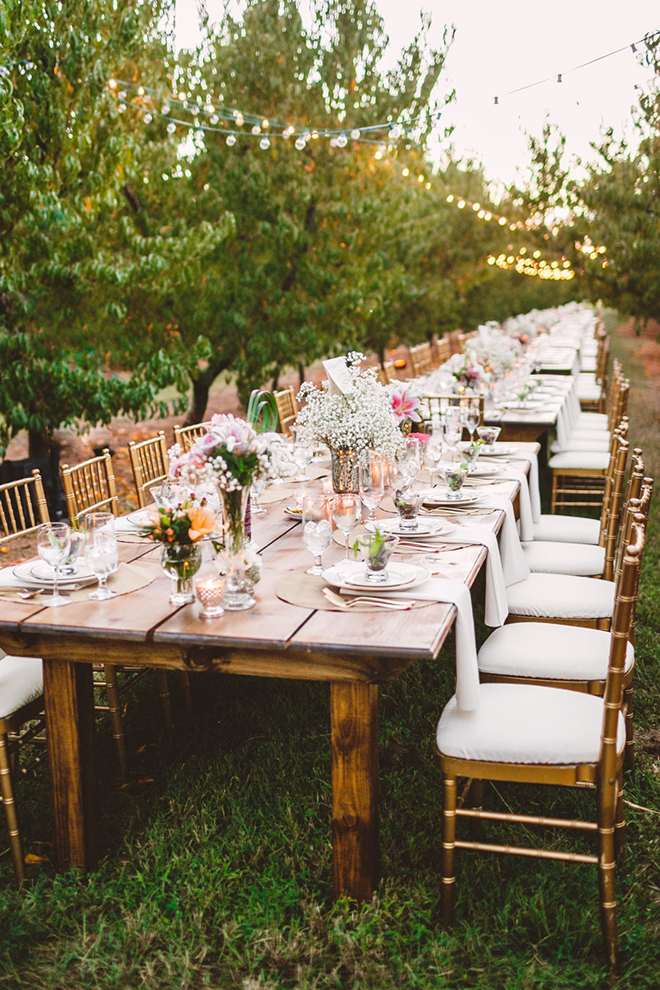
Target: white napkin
[8,579]
[496,604]
[514,564]
[532,481]
[458,594]
[526,515]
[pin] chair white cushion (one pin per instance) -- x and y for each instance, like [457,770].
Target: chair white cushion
[565,558]
[580,459]
[586,442]
[561,596]
[592,421]
[543,649]
[567,529]
[523,723]
[587,364]
[588,391]
[21,681]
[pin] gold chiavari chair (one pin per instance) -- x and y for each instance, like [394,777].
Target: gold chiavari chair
[149,462]
[90,487]
[185,436]
[534,734]
[566,598]
[579,476]
[567,656]
[22,510]
[421,359]
[287,408]
[443,350]
[387,373]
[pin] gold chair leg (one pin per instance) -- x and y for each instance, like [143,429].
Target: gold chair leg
[448,848]
[114,711]
[164,695]
[555,487]
[619,822]
[606,870]
[7,791]
[630,730]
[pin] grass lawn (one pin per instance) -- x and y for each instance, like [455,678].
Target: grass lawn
[217,868]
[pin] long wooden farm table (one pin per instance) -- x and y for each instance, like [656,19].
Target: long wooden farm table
[353,653]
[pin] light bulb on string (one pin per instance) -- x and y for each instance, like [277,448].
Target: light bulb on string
[342,141]
[240,120]
[148,118]
[165,109]
[300,144]
[264,144]
[214,119]
[256,129]
[355,134]
[171,127]
[231,140]
[121,108]
[112,83]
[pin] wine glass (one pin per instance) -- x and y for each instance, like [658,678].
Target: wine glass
[433,456]
[471,416]
[53,545]
[409,462]
[101,551]
[453,427]
[373,473]
[316,529]
[256,488]
[346,513]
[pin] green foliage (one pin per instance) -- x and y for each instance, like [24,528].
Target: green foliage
[262,412]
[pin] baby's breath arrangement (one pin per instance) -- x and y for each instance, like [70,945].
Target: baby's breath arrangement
[361,418]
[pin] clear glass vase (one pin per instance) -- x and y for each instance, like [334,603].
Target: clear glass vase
[181,562]
[239,562]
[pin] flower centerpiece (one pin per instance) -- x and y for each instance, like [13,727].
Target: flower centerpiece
[405,406]
[468,373]
[232,455]
[494,349]
[180,528]
[358,418]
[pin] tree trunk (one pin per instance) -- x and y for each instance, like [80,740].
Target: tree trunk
[381,355]
[200,399]
[301,373]
[40,443]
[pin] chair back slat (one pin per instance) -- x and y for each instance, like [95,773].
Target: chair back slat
[185,436]
[90,487]
[287,409]
[421,359]
[22,507]
[443,350]
[612,501]
[150,464]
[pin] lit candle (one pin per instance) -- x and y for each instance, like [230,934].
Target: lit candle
[209,593]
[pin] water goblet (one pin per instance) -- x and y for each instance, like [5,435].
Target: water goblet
[302,455]
[68,565]
[409,462]
[471,416]
[346,513]
[373,475]
[256,488]
[433,456]
[53,545]
[316,529]
[453,427]
[101,551]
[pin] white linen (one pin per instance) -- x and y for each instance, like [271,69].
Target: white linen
[458,594]
[526,515]
[496,610]
[523,723]
[532,480]
[514,565]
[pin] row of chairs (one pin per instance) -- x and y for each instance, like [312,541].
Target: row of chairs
[556,695]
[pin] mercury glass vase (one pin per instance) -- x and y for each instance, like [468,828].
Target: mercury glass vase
[345,473]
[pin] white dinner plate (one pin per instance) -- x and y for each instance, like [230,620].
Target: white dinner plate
[139,518]
[484,470]
[40,575]
[351,574]
[425,528]
[441,496]
[505,450]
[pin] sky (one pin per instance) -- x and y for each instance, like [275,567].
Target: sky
[502,46]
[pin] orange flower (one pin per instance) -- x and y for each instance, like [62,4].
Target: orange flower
[202,522]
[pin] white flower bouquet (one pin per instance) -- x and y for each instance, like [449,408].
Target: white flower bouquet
[359,418]
[229,453]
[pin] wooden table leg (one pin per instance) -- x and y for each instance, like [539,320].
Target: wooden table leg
[69,702]
[354,716]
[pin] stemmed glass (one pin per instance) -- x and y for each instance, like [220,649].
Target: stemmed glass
[101,551]
[256,488]
[316,529]
[302,455]
[433,456]
[53,545]
[346,513]
[373,475]
[471,416]
[453,427]
[409,462]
